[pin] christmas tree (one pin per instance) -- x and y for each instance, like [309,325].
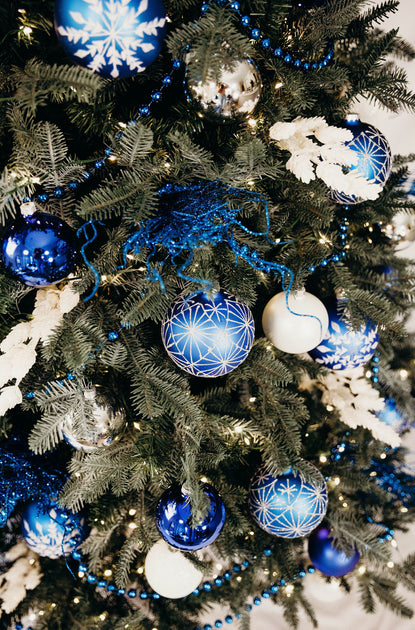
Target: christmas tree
[203,311]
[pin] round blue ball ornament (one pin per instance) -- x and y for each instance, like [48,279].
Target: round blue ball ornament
[51,531]
[208,335]
[286,505]
[114,38]
[343,348]
[174,519]
[39,249]
[374,156]
[326,558]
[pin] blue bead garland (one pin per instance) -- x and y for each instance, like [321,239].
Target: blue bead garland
[278,53]
[341,253]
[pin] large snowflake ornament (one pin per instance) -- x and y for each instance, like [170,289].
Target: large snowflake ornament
[115,38]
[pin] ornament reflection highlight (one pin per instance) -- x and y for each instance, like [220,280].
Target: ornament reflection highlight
[237,90]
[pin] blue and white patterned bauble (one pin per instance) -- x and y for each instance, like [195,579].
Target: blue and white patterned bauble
[174,519]
[115,38]
[392,417]
[208,335]
[343,348]
[375,156]
[51,531]
[295,323]
[286,505]
[39,249]
[326,558]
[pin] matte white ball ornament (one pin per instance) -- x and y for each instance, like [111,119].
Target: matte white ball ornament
[298,327]
[169,572]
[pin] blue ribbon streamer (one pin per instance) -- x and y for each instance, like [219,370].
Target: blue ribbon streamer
[84,230]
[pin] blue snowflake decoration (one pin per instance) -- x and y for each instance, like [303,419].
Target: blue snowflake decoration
[286,505]
[375,156]
[208,335]
[115,38]
[343,348]
[51,531]
[174,519]
[191,217]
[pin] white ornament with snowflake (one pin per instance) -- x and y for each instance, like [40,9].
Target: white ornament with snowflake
[114,38]
[319,150]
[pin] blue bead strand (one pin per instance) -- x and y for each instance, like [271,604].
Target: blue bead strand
[277,52]
[342,251]
[99,163]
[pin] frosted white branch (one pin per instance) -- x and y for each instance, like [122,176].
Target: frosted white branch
[319,150]
[19,347]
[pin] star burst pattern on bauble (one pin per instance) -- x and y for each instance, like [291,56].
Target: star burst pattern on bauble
[287,506]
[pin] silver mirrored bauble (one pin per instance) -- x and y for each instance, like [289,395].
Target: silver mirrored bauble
[87,439]
[236,91]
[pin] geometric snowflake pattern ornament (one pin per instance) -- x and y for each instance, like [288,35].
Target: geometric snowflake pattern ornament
[208,335]
[51,531]
[374,156]
[114,38]
[343,348]
[286,505]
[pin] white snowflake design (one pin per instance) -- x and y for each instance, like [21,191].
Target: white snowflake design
[208,339]
[112,33]
[286,506]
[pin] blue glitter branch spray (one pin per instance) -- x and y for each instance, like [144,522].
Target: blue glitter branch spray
[90,239]
[24,476]
[190,217]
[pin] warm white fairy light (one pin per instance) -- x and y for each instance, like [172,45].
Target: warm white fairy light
[140,570]
[336,481]
[323,459]
[403,375]
[203,479]
[362,570]
[132,512]
[252,399]
[383,456]
[390,565]
[404,510]
[103,616]
[136,425]
[329,407]
[132,525]
[278,85]
[252,122]
[107,572]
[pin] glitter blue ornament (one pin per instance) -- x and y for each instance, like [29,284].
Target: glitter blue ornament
[39,249]
[115,38]
[48,529]
[343,348]
[286,505]
[174,519]
[375,156]
[24,476]
[208,335]
[326,558]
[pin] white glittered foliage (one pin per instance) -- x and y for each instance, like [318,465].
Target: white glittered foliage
[357,401]
[319,150]
[23,575]
[19,347]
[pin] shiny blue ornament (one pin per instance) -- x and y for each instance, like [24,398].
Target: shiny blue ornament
[343,348]
[115,38]
[326,558]
[39,249]
[174,519]
[50,530]
[375,156]
[286,505]
[208,335]
[391,416]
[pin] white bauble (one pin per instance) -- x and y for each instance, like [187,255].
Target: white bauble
[169,572]
[299,329]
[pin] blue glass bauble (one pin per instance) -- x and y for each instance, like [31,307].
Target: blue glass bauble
[39,249]
[208,335]
[343,348]
[174,519]
[286,505]
[375,156]
[51,531]
[391,416]
[115,38]
[327,558]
